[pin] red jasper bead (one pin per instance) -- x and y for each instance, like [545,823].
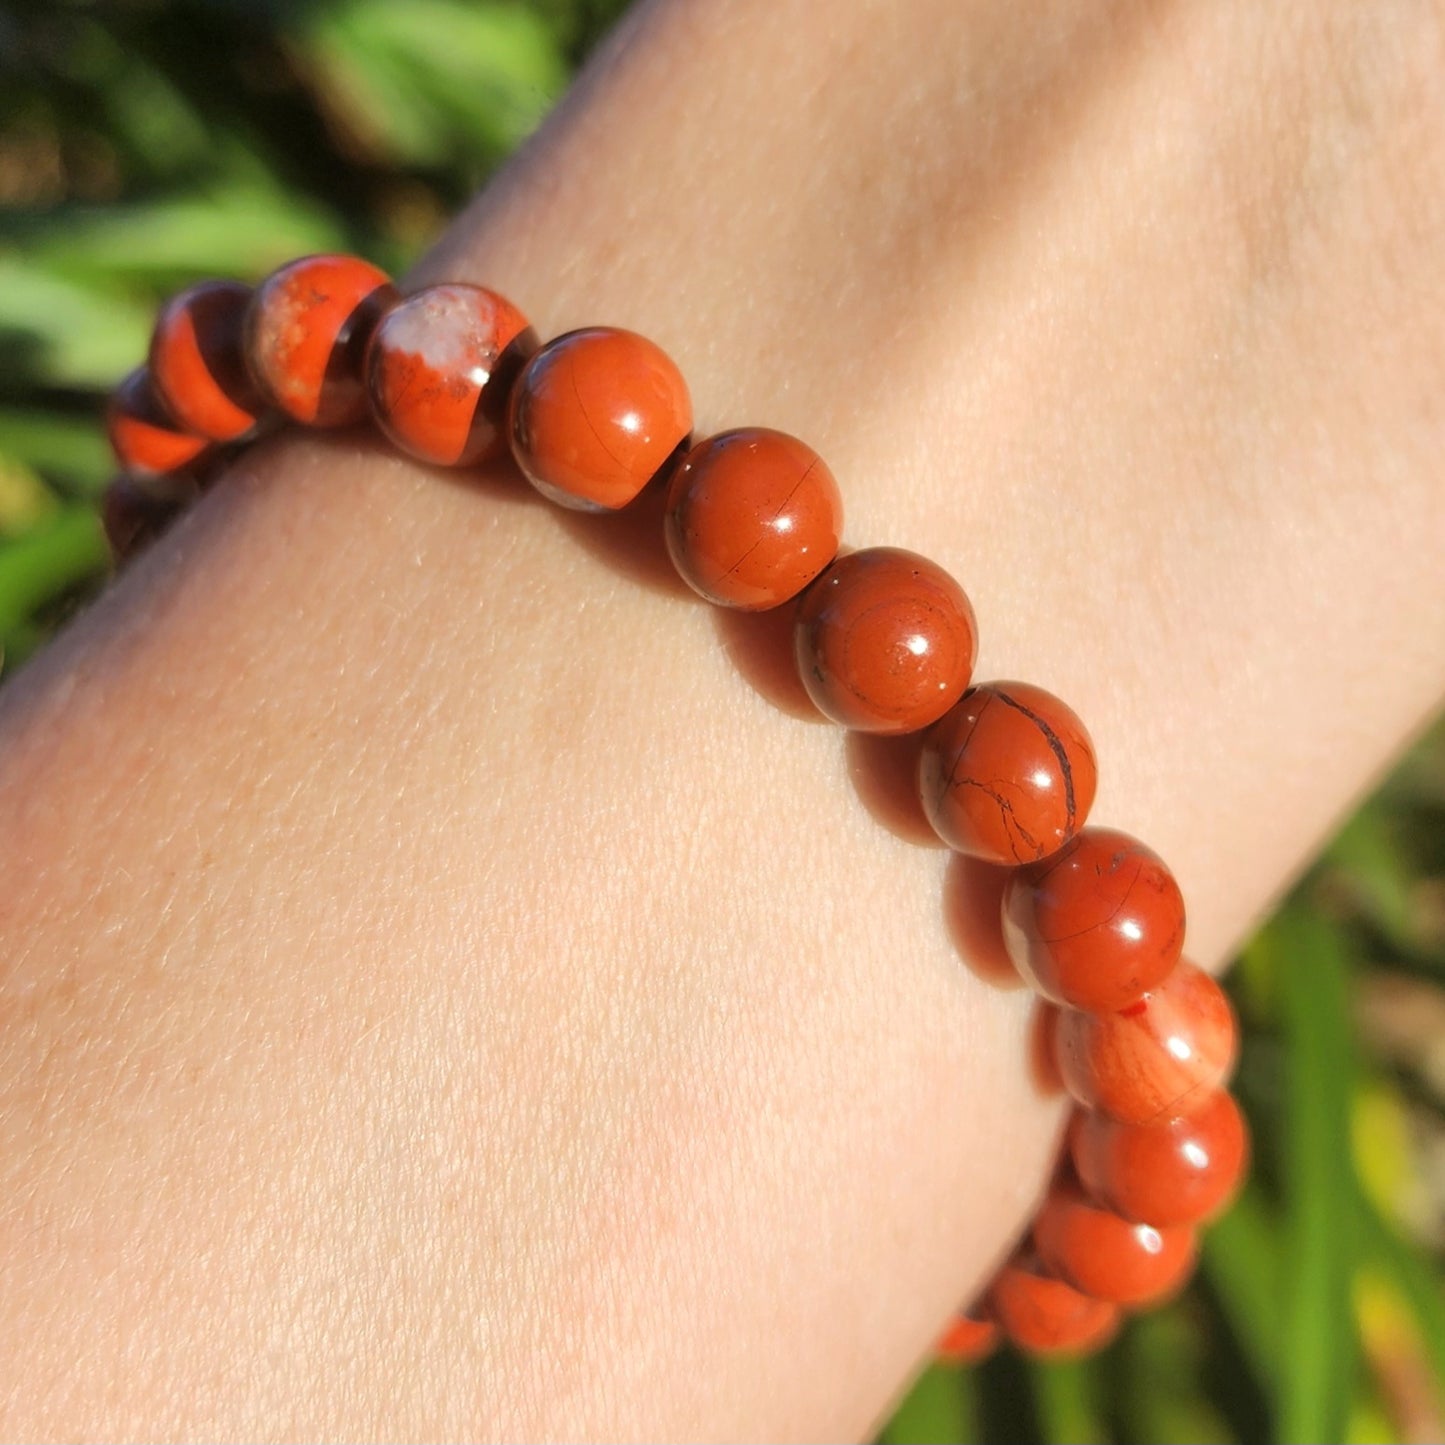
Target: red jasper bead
[198,363]
[146,442]
[1046,1316]
[752,517]
[1096,925]
[306,331]
[1107,1256]
[967,1340]
[1163,1054]
[1008,774]
[1177,1170]
[885,641]
[439,368]
[596,415]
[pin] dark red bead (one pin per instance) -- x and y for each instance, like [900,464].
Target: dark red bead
[1107,1256]
[885,641]
[146,442]
[1164,1054]
[306,332]
[1008,774]
[753,516]
[1045,1316]
[133,517]
[198,363]
[595,415]
[439,369]
[1096,925]
[1177,1170]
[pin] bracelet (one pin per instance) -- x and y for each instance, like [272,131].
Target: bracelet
[885,643]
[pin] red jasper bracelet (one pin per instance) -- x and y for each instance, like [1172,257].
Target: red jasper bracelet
[885,642]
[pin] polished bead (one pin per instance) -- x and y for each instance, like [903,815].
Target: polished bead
[1045,1316]
[1163,1054]
[1096,925]
[439,369]
[1008,774]
[752,517]
[1176,1170]
[306,332]
[198,362]
[146,442]
[967,1340]
[134,517]
[885,641]
[1107,1256]
[596,415]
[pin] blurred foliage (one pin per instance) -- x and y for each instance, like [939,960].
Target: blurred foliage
[144,145]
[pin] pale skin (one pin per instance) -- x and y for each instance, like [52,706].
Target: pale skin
[444,995]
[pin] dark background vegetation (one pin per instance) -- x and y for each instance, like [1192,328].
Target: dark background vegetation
[147,144]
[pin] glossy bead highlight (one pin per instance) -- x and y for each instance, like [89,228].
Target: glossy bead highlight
[306,331]
[1164,1054]
[752,517]
[439,368]
[1008,774]
[146,442]
[198,362]
[1046,1316]
[595,415]
[1178,1170]
[1104,1255]
[1098,924]
[885,641]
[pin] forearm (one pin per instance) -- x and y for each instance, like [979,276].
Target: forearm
[446,997]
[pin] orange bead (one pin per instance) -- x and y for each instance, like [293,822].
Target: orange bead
[146,442]
[752,517]
[1163,1054]
[1096,925]
[1177,1170]
[439,368]
[306,332]
[885,641]
[1046,1316]
[967,1340]
[596,415]
[198,362]
[1107,1256]
[1008,774]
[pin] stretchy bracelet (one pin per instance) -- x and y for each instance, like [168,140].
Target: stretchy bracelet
[885,642]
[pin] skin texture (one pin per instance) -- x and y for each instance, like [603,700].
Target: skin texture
[444,995]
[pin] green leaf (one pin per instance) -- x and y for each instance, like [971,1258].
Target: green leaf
[939,1409]
[1317,1345]
[57,445]
[65,549]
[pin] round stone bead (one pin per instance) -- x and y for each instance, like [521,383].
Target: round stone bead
[1107,1256]
[1164,1054]
[1097,925]
[306,332]
[1046,1316]
[752,517]
[967,1340]
[885,641]
[198,362]
[1008,774]
[439,368]
[1177,1170]
[146,442]
[596,415]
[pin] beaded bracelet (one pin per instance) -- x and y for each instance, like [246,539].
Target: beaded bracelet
[885,643]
